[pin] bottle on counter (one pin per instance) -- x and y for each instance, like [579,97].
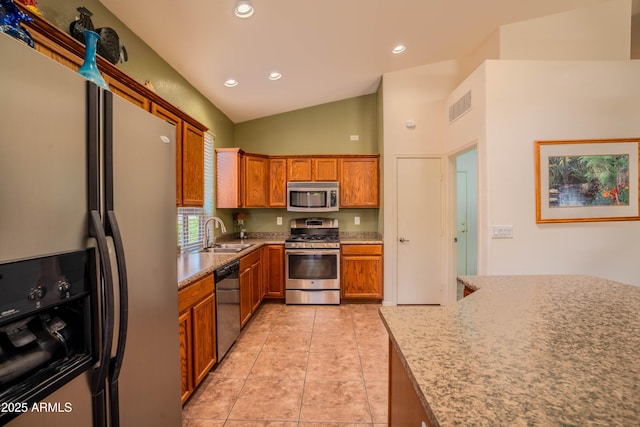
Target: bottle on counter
[243,233]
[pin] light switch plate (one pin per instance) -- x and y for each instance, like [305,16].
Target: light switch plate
[502,232]
[356,220]
[279,220]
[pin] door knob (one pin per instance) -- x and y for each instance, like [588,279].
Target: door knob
[402,240]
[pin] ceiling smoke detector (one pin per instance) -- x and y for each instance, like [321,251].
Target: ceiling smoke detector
[243,9]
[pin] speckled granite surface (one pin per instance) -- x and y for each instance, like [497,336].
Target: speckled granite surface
[526,351]
[192,266]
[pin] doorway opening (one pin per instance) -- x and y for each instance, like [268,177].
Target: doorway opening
[466,212]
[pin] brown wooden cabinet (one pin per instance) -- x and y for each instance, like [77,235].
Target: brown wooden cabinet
[273,265]
[204,337]
[256,181]
[192,166]
[361,271]
[311,168]
[299,169]
[405,407]
[325,169]
[186,349]
[62,48]
[467,291]
[197,319]
[359,182]
[250,285]
[228,178]
[277,182]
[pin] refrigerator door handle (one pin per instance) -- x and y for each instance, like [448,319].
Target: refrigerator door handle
[112,229]
[99,373]
[116,361]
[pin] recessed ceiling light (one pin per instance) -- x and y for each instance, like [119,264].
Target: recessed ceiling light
[275,76]
[231,83]
[399,49]
[243,9]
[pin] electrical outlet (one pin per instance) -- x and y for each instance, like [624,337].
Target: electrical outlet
[502,232]
[279,220]
[355,137]
[356,220]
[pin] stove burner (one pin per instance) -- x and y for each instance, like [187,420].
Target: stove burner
[313,233]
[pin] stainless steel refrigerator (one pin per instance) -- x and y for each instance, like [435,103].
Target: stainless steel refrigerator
[84,172]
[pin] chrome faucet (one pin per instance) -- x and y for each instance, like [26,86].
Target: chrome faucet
[216,220]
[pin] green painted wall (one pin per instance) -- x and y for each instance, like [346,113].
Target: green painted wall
[322,129]
[145,64]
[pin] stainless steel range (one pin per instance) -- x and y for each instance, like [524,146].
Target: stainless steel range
[312,262]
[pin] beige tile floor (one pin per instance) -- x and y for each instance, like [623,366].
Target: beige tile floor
[306,366]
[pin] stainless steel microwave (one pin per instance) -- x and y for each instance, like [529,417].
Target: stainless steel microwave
[312,196]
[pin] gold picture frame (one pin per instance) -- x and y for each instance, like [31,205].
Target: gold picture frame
[587,180]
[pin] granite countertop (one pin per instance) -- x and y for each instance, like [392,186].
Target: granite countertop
[525,350]
[194,265]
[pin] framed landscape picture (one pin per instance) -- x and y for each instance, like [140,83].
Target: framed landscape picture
[587,180]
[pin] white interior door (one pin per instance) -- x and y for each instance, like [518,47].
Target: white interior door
[419,231]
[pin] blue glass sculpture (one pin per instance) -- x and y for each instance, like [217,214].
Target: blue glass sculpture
[10,17]
[89,68]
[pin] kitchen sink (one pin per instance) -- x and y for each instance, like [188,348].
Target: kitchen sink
[227,248]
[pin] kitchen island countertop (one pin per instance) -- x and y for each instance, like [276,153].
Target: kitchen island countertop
[525,350]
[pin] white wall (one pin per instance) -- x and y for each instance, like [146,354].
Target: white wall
[528,101]
[416,94]
[601,32]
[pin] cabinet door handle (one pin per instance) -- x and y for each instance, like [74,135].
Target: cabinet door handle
[402,240]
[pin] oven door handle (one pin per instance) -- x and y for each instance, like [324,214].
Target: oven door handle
[312,251]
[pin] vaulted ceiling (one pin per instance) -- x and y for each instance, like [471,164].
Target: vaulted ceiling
[326,50]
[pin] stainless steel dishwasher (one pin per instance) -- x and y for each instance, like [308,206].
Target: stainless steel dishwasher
[227,307]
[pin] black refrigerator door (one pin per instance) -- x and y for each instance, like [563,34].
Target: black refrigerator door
[96,230]
[113,230]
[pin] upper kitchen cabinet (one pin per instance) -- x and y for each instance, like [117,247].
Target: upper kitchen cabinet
[325,169]
[228,185]
[312,169]
[242,179]
[64,49]
[189,158]
[299,169]
[359,182]
[192,166]
[256,181]
[277,182]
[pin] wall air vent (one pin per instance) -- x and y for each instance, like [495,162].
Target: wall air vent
[460,107]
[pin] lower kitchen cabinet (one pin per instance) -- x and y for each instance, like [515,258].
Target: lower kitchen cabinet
[405,408]
[361,271]
[273,265]
[197,318]
[186,365]
[250,285]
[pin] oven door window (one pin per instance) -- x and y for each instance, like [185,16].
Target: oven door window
[313,266]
